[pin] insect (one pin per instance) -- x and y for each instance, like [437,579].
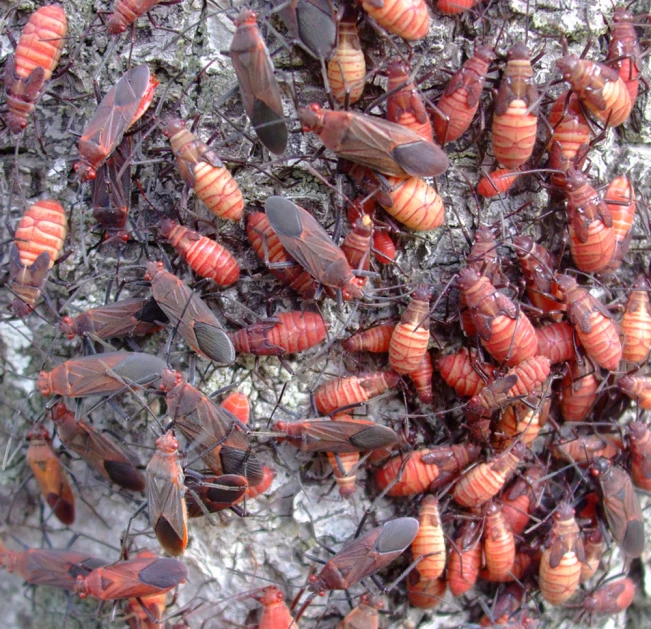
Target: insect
[593,545]
[147,609]
[424,593]
[422,379]
[499,543]
[375,143]
[215,492]
[455,7]
[404,104]
[407,18]
[211,430]
[624,52]
[505,332]
[522,498]
[496,183]
[463,372]
[637,388]
[365,615]
[570,128]
[38,243]
[204,172]
[52,479]
[556,342]
[522,420]
[139,577]
[365,555]
[383,247]
[126,12]
[312,23]
[429,543]
[560,566]
[592,323]
[579,390]
[584,449]
[285,333]
[307,242]
[620,505]
[206,257]
[611,598]
[640,448]
[414,203]
[375,339]
[465,558]
[485,480]
[411,336]
[344,466]
[274,614]
[268,475]
[165,490]
[258,86]
[101,374]
[30,67]
[340,435]
[599,88]
[636,323]
[357,244]
[196,323]
[237,404]
[461,97]
[124,104]
[620,200]
[104,456]
[516,110]
[336,394]
[347,66]
[129,317]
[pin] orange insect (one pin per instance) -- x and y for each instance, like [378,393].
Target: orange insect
[485,480]
[463,373]
[560,566]
[347,66]
[636,323]
[570,128]
[429,543]
[593,546]
[238,404]
[404,104]
[211,494]
[411,336]
[522,498]
[497,182]
[414,203]
[365,615]
[204,172]
[165,490]
[515,121]
[375,143]
[461,97]
[343,470]
[584,449]
[598,87]
[637,388]
[357,244]
[465,558]
[499,543]
[258,85]
[268,475]
[620,200]
[269,249]
[383,247]
[521,421]
[422,379]
[126,12]
[640,448]
[579,390]
[455,7]
[30,67]
[339,393]
[407,18]
[286,333]
[206,257]
[39,240]
[611,598]
[592,237]
[147,611]
[50,475]
[375,340]
[274,614]
[556,342]
[425,593]
[624,52]
[592,323]
[505,332]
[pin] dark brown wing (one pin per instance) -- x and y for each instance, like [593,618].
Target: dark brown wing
[343,436]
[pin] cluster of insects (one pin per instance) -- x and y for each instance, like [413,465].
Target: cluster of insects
[474,408]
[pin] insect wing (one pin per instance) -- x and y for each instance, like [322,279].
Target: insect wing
[346,436]
[111,199]
[216,492]
[55,568]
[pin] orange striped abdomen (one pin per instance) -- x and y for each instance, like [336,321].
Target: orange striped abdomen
[238,404]
[415,479]
[407,18]
[514,135]
[219,191]
[512,339]
[478,486]
[338,393]
[347,68]
[455,107]
[297,331]
[415,204]
[602,343]
[374,340]
[597,251]
[345,480]
[42,228]
[558,584]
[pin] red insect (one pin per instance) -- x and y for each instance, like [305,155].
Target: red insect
[129,317]
[307,242]
[556,342]
[560,566]
[570,128]
[195,322]
[375,143]
[620,200]
[204,172]
[598,87]
[637,388]
[611,598]
[505,332]
[465,558]
[429,543]
[344,466]
[375,340]
[30,67]
[258,86]
[268,475]
[522,499]
[414,203]
[499,543]
[425,593]
[593,546]
[422,379]
[497,182]
[140,577]
[461,97]
[411,336]
[165,490]
[237,404]
[383,247]
[521,421]
[215,493]
[206,257]
[124,104]
[357,244]
[274,614]
[365,615]
[592,323]
[404,104]
[339,435]
[50,475]
[101,374]
[485,480]
[640,448]
[621,506]
[339,393]
[636,323]
[624,52]
[286,333]
[584,449]
[147,611]
[104,456]
[347,66]
[515,121]
[126,12]
[38,243]
[463,373]
[579,390]
[407,18]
